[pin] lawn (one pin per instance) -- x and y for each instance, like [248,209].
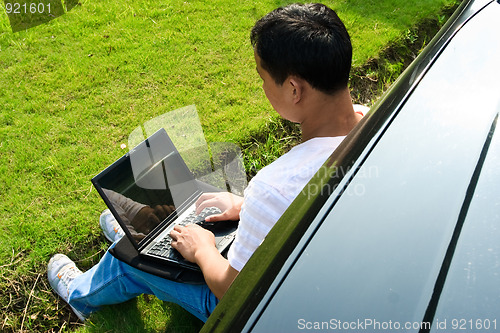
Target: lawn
[72,91]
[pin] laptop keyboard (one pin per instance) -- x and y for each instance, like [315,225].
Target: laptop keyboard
[163,247]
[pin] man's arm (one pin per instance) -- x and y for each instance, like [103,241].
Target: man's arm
[217,272]
[197,245]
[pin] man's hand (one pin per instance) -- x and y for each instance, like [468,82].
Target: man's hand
[190,240]
[228,203]
[198,245]
[148,218]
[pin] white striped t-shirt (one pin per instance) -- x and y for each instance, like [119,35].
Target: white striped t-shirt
[272,190]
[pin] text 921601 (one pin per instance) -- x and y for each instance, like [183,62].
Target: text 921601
[25,8]
[25,14]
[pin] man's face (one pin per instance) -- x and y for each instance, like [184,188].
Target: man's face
[276,94]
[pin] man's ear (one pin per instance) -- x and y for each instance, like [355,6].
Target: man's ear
[296,88]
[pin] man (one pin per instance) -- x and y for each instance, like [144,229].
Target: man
[303,55]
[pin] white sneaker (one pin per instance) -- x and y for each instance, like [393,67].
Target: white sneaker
[61,271]
[110,227]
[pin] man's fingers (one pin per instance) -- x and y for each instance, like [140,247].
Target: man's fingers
[170,209]
[177,229]
[205,200]
[162,211]
[206,196]
[153,220]
[175,232]
[205,204]
[202,198]
[216,217]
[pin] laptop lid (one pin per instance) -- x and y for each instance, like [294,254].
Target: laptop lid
[153,173]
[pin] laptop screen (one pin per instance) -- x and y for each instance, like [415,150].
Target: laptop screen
[147,186]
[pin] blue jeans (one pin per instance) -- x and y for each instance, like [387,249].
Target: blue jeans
[112,281]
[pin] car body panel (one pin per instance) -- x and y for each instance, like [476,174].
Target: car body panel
[470,299]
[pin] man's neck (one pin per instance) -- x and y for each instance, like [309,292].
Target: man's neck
[328,115]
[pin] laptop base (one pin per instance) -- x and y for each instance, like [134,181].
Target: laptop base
[126,252]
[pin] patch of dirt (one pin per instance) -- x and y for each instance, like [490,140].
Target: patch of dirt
[369,81]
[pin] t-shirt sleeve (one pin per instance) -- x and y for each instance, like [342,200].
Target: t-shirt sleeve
[263,206]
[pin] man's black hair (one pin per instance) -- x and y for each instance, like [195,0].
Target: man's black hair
[309,41]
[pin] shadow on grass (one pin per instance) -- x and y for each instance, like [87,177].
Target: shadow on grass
[142,314]
[181,321]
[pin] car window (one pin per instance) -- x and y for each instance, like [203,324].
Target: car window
[376,256]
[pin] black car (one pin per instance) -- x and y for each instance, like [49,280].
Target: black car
[400,230]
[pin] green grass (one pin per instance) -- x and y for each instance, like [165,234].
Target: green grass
[72,91]
[143,314]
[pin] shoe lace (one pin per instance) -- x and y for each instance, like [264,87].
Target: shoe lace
[68,274]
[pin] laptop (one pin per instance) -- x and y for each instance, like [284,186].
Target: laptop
[153,175]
